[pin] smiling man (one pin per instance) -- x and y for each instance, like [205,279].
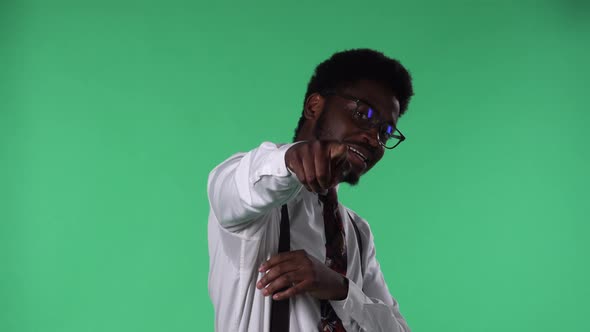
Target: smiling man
[284,254]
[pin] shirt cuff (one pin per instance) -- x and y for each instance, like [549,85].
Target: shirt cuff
[352,304]
[275,162]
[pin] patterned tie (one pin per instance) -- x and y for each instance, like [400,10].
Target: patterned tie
[335,256]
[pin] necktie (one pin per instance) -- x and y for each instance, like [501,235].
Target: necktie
[335,256]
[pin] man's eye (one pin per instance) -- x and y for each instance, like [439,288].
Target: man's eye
[366,114]
[360,115]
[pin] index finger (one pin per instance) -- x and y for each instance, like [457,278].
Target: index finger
[274,260]
[339,163]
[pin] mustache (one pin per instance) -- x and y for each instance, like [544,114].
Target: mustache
[359,143]
[364,145]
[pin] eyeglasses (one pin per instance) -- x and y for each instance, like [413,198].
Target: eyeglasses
[366,118]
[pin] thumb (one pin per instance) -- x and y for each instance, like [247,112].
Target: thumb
[338,153]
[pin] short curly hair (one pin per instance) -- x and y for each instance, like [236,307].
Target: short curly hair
[347,67]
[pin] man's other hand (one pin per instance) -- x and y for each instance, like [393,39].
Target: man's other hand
[295,272]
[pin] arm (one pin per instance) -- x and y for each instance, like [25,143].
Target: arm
[247,185]
[371,307]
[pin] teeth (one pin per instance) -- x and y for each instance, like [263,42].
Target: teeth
[358,152]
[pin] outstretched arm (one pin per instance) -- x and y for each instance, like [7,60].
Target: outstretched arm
[247,185]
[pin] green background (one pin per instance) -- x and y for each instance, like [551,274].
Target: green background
[113,113]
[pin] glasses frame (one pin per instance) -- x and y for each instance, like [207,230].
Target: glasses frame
[357,101]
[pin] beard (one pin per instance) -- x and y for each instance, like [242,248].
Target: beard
[323,132]
[351,178]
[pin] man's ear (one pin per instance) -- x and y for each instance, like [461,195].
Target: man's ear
[314,104]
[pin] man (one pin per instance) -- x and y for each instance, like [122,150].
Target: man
[328,278]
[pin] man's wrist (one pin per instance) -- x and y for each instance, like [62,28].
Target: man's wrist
[287,157]
[342,290]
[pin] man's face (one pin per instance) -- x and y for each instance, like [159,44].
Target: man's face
[336,122]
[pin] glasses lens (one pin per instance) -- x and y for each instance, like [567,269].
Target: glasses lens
[389,136]
[365,115]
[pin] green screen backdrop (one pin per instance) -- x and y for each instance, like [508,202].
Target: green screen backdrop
[113,113]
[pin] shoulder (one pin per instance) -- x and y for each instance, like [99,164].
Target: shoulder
[261,151]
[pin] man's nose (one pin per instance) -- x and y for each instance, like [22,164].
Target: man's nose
[370,136]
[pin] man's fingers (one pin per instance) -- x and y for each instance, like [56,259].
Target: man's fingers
[322,170]
[275,272]
[340,164]
[338,153]
[318,165]
[297,288]
[284,281]
[310,175]
[340,172]
[297,167]
[295,159]
[276,259]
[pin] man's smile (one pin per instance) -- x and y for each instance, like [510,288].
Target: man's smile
[358,158]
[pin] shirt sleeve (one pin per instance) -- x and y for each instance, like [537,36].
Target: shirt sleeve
[370,308]
[247,185]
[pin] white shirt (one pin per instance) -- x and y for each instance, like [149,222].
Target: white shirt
[246,193]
